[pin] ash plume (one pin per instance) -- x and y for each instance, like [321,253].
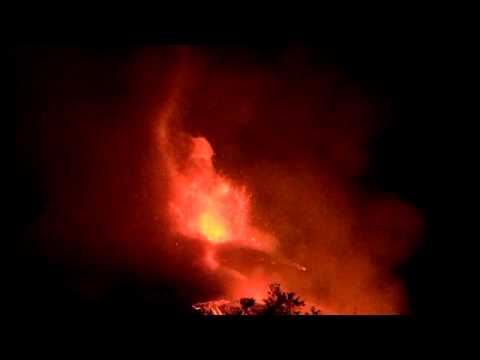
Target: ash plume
[114,133]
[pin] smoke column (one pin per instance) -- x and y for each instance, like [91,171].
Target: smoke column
[348,237]
[279,139]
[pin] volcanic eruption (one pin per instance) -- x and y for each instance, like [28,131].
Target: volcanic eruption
[318,233]
[220,171]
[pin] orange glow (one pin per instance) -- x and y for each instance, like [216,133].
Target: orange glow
[328,239]
[212,227]
[207,206]
[210,260]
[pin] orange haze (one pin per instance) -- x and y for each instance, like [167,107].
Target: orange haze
[304,212]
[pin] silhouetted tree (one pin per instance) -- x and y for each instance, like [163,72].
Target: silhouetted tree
[247,303]
[314,311]
[279,302]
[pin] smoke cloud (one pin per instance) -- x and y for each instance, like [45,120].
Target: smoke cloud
[293,130]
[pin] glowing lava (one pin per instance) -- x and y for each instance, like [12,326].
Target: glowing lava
[212,227]
[207,206]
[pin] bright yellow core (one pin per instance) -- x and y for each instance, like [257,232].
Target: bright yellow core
[212,228]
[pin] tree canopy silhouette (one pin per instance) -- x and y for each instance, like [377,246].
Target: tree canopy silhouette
[278,302]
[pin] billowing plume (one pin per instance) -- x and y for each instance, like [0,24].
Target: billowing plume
[295,195]
[215,170]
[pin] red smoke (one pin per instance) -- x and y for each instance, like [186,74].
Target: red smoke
[189,151]
[347,237]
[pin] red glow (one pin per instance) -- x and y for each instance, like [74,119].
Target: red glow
[336,243]
[128,181]
[207,206]
[204,204]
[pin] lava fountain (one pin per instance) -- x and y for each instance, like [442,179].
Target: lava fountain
[210,208]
